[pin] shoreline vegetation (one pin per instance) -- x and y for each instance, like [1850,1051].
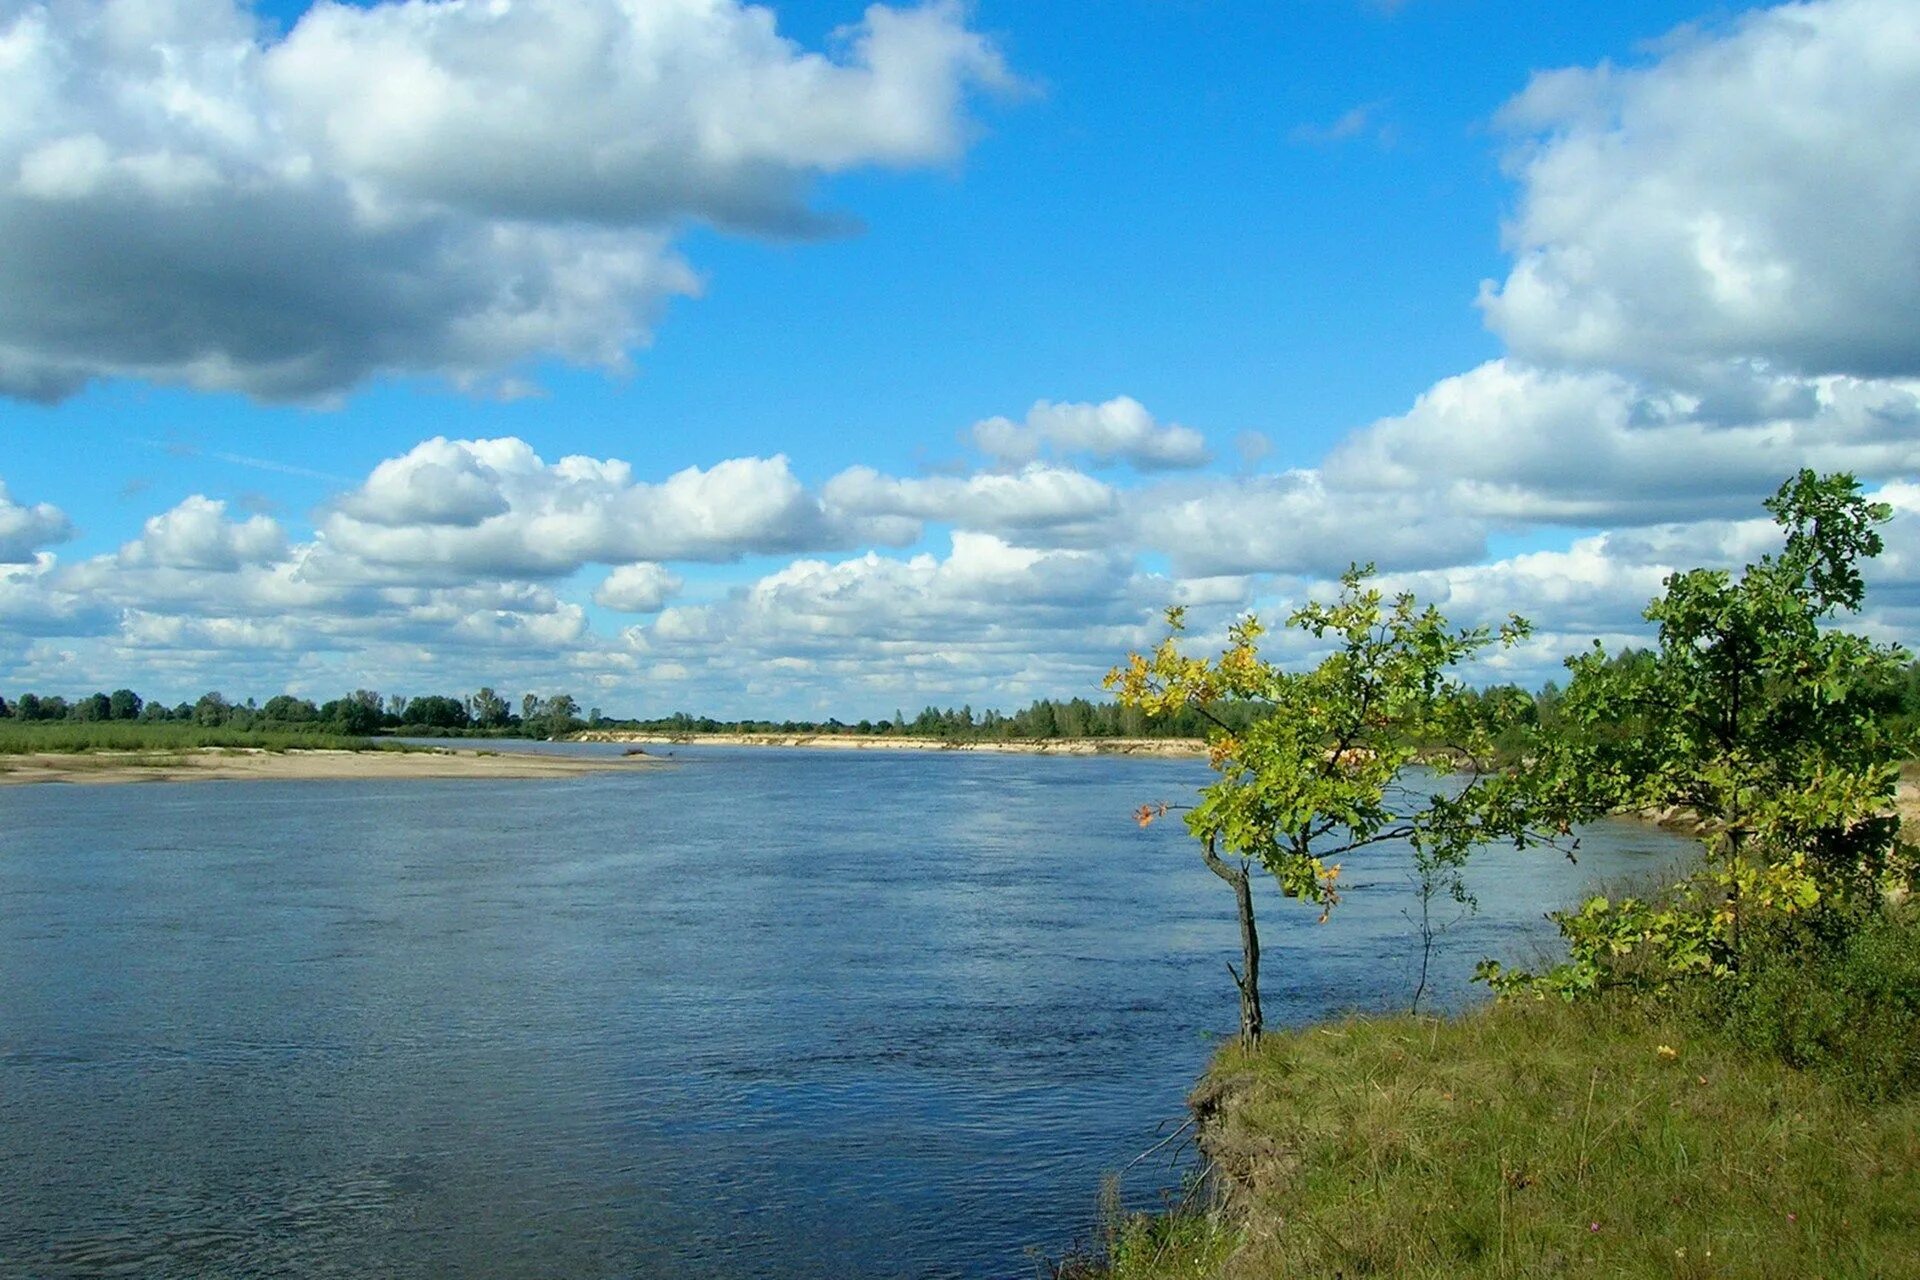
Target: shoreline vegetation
[1722,1076]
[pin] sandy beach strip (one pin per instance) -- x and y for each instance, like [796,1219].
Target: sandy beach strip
[221,764]
[888,742]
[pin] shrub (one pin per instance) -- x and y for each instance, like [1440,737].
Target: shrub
[1842,1000]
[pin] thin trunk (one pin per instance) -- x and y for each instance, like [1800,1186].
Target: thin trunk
[1247,978]
[1426,942]
[1733,835]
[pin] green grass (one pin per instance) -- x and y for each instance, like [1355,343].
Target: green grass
[1539,1139]
[24,737]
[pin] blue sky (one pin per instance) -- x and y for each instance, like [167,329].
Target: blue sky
[1266,223]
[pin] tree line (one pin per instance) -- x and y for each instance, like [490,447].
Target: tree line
[1509,713]
[485,712]
[1043,718]
[361,713]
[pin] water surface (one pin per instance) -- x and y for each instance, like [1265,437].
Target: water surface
[761,1013]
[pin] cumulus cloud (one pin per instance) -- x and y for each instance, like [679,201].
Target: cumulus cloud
[450,510]
[1518,444]
[1037,497]
[437,482]
[34,602]
[619,113]
[1751,195]
[638,588]
[1119,430]
[197,535]
[1598,586]
[990,616]
[142,630]
[1295,524]
[446,188]
[1692,315]
[26,530]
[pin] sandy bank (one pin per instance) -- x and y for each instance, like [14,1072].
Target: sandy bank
[887,742]
[1686,822]
[100,767]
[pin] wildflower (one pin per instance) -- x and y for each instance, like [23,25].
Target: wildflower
[1667,1052]
[1593,1226]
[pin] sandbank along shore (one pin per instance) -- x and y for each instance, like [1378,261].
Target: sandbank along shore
[889,742]
[216,764]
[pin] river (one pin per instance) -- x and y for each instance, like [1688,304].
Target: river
[758,1013]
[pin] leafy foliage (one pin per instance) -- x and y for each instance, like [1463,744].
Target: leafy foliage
[1323,769]
[1757,715]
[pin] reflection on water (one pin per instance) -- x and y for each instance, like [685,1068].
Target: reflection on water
[760,1013]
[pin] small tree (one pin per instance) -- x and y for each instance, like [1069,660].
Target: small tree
[1760,718]
[1321,767]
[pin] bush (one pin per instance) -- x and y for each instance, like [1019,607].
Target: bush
[1841,999]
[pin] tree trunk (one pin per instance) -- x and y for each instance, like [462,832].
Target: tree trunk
[1248,977]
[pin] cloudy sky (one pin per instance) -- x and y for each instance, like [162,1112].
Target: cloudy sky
[806,359]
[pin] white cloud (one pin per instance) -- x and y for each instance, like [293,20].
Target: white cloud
[1598,586]
[1037,497]
[175,632]
[445,188]
[1752,195]
[449,510]
[638,588]
[619,113]
[1294,524]
[1119,430]
[25,530]
[197,535]
[34,603]
[1515,444]
[1693,315]
[1360,121]
[437,482]
[992,621]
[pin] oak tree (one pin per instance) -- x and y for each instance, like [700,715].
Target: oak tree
[1322,765]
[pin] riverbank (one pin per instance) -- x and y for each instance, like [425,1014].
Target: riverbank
[1686,822]
[228,764]
[1533,1138]
[888,742]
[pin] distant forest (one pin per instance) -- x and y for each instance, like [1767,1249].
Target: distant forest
[485,713]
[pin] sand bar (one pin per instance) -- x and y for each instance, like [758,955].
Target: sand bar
[889,742]
[105,767]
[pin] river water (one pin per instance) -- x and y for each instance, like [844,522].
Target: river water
[757,1013]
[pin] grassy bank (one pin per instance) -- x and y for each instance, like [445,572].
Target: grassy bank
[65,736]
[1536,1139]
